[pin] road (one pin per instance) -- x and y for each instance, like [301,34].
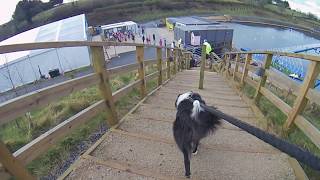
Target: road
[122,59]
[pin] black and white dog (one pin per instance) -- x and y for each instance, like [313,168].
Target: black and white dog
[191,125]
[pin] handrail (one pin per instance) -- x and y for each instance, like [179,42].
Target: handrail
[101,76]
[293,55]
[304,92]
[61,44]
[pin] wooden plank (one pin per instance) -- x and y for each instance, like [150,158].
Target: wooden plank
[282,81]
[284,107]
[308,129]
[16,107]
[159,65]
[61,44]
[236,66]
[42,143]
[298,171]
[251,68]
[294,55]
[251,82]
[175,54]
[131,169]
[285,83]
[140,60]
[266,65]
[13,165]
[313,96]
[301,100]
[150,62]
[203,59]
[116,71]
[99,65]
[125,90]
[245,70]
[247,80]
[168,64]
[152,76]
[189,55]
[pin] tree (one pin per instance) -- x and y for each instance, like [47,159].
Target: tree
[55,2]
[26,9]
[286,4]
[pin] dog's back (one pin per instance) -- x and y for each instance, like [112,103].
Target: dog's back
[191,125]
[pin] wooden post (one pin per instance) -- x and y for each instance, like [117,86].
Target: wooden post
[301,101]
[168,63]
[175,61]
[203,59]
[236,67]
[188,60]
[245,69]
[159,58]
[99,66]
[185,60]
[222,64]
[140,59]
[12,164]
[266,65]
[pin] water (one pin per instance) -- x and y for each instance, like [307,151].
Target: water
[277,39]
[262,37]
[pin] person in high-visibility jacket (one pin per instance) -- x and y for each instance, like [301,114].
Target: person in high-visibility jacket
[208,48]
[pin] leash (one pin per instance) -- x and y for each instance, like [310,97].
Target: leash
[293,150]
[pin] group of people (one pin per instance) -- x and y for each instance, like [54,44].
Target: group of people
[121,36]
[148,40]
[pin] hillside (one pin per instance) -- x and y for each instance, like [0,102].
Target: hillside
[102,12]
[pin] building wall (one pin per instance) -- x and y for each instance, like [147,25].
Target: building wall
[26,69]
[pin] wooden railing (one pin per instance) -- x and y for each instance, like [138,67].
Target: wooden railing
[14,108]
[304,92]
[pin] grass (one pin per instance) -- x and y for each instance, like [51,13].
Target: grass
[24,129]
[276,118]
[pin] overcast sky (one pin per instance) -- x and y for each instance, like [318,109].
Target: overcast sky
[8,6]
[312,6]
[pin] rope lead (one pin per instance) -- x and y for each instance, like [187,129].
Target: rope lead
[293,150]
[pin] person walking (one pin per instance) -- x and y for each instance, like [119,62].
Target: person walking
[154,38]
[133,37]
[160,42]
[143,38]
[165,42]
[208,48]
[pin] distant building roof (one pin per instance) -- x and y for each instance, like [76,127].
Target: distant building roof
[121,24]
[203,27]
[69,29]
[191,20]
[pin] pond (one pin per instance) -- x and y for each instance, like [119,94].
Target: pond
[264,37]
[252,37]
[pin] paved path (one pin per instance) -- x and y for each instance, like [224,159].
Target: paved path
[142,147]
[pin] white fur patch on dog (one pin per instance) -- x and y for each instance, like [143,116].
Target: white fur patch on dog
[183,97]
[196,109]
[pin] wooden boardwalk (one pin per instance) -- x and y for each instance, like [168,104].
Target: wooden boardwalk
[142,147]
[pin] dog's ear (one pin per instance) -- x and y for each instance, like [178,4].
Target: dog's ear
[196,96]
[175,104]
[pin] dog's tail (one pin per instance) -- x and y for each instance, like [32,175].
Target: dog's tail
[208,122]
[196,109]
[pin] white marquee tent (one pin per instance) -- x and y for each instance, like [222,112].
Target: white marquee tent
[122,26]
[23,67]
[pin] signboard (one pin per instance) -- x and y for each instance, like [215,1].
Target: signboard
[195,40]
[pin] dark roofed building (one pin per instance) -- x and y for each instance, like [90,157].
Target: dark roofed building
[218,36]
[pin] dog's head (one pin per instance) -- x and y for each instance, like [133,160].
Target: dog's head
[188,95]
[182,97]
[195,96]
